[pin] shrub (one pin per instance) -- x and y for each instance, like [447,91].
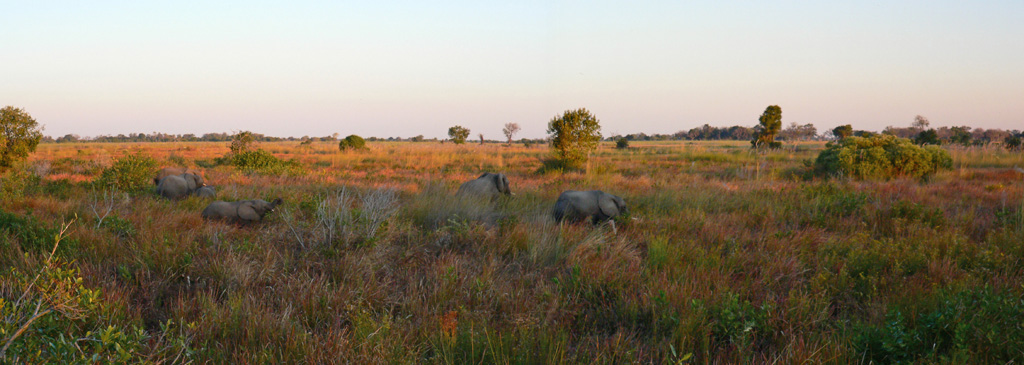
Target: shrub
[258,161]
[352,142]
[244,141]
[133,172]
[622,143]
[880,157]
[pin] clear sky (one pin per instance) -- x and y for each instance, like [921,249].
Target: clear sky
[383,69]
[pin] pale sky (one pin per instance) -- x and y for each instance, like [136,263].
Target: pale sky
[403,69]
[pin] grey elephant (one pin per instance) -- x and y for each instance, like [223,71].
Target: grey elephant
[206,192]
[243,211]
[488,185]
[179,186]
[598,206]
[168,171]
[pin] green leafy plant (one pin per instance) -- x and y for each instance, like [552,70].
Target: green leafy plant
[880,157]
[622,143]
[132,172]
[19,136]
[352,142]
[574,135]
[458,134]
[771,124]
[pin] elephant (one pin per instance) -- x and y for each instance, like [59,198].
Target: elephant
[168,171]
[598,206]
[206,192]
[179,186]
[243,211]
[488,185]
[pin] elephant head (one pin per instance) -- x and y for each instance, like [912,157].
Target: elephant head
[500,182]
[254,210]
[194,181]
[489,185]
[612,205]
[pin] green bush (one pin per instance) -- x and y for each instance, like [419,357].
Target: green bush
[880,157]
[975,325]
[258,161]
[133,172]
[352,142]
[622,143]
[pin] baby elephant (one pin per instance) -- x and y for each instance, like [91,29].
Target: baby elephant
[206,192]
[488,185]
[598,206]
[243,211]
[179,186]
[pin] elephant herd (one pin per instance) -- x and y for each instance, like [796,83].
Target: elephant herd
[572,206]
[177,183]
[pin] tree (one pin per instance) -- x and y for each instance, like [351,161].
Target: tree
[19,136]
[510,130]
[1013,141]
[842,131]
[920,123]
[961,135]
[927,137]
[574,134]
[771,123]
[622,143]
[458,134]
[481,139]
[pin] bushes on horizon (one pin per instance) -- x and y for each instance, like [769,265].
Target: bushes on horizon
[880,157]
[132,172]
[352,142]
[622,143]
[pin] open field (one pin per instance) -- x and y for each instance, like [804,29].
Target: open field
[728,256]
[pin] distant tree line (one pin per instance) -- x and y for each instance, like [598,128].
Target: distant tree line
[166,137]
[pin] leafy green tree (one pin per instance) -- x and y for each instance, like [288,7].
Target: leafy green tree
[842,131]
[574,135]
[961,135]
[458,134]
[771,124]
[352,142]
[927,137]
[1013,142]
[19,136]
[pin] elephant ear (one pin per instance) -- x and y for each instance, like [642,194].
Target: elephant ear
[247,212]
[504,185]
[607,204]
[190,182]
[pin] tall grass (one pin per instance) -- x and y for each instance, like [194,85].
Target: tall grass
[733,256]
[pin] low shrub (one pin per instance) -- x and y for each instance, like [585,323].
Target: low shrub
[622,143]
[132,172]
[258,161]
[352,142]
[880,157]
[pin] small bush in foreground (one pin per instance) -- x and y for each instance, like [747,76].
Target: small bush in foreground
[352,142]
[132,172]
[880,157]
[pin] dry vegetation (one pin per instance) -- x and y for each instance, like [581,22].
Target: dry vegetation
[729,256]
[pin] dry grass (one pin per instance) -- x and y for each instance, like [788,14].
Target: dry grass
[732,257]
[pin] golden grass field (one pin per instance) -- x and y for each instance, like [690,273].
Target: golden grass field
[727,256]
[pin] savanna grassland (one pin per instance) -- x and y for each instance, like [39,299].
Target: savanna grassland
[727,256]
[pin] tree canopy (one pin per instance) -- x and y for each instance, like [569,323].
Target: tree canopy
[19,136]
[770,125]
[574,134]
